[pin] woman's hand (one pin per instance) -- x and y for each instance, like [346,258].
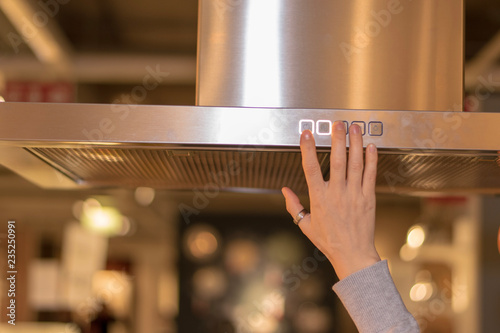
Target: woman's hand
[342,219]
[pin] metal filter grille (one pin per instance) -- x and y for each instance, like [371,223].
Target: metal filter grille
[440,172]
[269,170]
[180,169]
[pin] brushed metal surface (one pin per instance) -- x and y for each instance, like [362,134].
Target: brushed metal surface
[386,55]
[66,125]
[176,147]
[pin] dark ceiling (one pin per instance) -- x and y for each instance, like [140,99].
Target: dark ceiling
[168,26]
[482,22]
[152,26]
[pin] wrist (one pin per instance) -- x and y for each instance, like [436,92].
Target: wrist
[347,266]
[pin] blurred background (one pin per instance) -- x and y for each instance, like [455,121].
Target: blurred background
[140,260]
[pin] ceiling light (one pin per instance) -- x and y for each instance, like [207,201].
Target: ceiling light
[44,39]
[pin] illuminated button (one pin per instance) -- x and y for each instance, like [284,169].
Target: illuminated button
[361,125]
[306,124]
[324,127]
[375,128]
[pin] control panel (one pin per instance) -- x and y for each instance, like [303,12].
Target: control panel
[324,127]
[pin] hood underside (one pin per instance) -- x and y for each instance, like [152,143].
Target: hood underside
[239,170]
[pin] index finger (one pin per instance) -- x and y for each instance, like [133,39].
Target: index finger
[310,164]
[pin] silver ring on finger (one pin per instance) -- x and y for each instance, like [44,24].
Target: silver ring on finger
[303,213]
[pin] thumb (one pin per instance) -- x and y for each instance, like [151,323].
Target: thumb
[293,206]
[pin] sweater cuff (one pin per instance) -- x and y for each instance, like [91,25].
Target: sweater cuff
[372,300]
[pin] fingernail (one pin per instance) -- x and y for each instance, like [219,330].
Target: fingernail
[355,129]
[339,125]
[372,148]
[307,135]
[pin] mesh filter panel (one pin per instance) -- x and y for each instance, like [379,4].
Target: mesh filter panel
[187,169]
[179,169]
[436,172]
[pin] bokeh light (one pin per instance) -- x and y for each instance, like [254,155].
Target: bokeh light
[89,204]
[105,221]
[421,292]
[128,227]
[242,256]
[313,319]
[209,283]
[144,195]
[201,242]
[115,289]
[259,308]
[407,253]
[416,236]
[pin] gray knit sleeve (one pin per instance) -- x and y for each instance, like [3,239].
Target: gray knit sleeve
[373,302]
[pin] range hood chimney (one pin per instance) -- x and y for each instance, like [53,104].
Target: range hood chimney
[268,69]
[374,55]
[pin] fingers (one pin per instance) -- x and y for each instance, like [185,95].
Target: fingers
[370,173]
[338,155]
[355,165]
[293,206]
[310,163]
[359,175]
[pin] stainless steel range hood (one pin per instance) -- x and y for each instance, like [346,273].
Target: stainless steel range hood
[266,71]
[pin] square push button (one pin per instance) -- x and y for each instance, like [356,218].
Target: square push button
[306,124]
[324,127]
[361,125]
[375,128]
